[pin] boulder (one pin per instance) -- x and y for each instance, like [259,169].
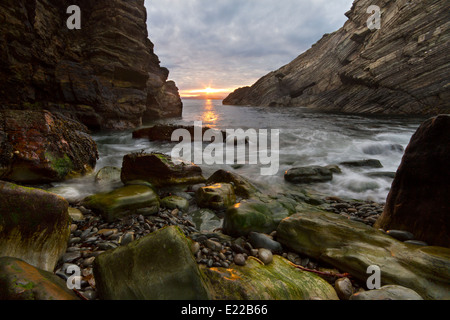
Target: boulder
[352,247]
[40,147]
[219,196]
[390,292]
[206,220]
[160,170]
[34,225]
[279,280]
[21,281]
[175,202]
[159,266]
[254,215]
[242,187]
[108,176]
[313,174]
[418,201]
[123,202]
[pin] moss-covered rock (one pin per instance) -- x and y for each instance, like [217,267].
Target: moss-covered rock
[242,187]
[219,196]
[21,281]
[34,225]
[123,201]
[279,280]
[159,266]
[352,247]
[259,215]
[159,170]
[175,202]
[40,147]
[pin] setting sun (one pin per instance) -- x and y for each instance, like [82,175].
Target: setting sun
[206,93]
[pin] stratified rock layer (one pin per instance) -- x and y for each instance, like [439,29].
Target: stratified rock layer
[106,74]
[401,68]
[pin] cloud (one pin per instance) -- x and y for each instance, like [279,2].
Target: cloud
[231,43]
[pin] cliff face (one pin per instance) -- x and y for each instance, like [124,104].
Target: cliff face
[402,68]
[105,75]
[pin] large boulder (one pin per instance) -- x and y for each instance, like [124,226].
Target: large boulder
[159,169]
[419,198]
[352,247]
[123,201]
[34,225]
[39,147]
[21,281]
[279,280]
[159,266]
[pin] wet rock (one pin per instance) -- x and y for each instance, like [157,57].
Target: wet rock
[240,260]
[242,187]
[175,202]
[164,132]
[400,235]
[352,246]
[118,203]
[260,240]
[160,170]
[311,174]
[376,149]
[389,292]
[40,147]
[174,272]
[255,281]
[108,176]
[34,225]
[219,196]
[21,281]
[206,220]
[370,163]
[75,214]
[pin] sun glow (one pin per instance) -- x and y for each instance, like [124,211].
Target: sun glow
[207,93]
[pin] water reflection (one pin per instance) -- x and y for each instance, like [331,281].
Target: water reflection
[209,116]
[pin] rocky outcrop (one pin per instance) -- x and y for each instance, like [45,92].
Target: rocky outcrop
[401,68]
[419,198]
[106,74]
[39,147]
[34,225]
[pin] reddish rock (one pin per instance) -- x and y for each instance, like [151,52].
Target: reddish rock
[39,147]
[159,170]
[419,198]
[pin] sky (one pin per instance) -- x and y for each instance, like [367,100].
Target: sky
[227,44]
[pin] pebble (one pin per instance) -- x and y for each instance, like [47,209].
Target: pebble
[265,255]
[401,235]
[344,288]
[71,256]
[213,245]
[240,260]
[195,248]
[260,240]
[88,262]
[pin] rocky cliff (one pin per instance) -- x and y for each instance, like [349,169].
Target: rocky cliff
[401,68]
[105,75]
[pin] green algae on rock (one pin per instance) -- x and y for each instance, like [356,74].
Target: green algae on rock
[34,225]
[279,280]
[175,202]
[352,247]
[159,266]
[123,201]
[219,196]
[21,281]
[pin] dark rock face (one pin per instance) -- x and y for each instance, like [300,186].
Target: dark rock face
[419,198]
[401,68]
[39,147]
[105,75]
